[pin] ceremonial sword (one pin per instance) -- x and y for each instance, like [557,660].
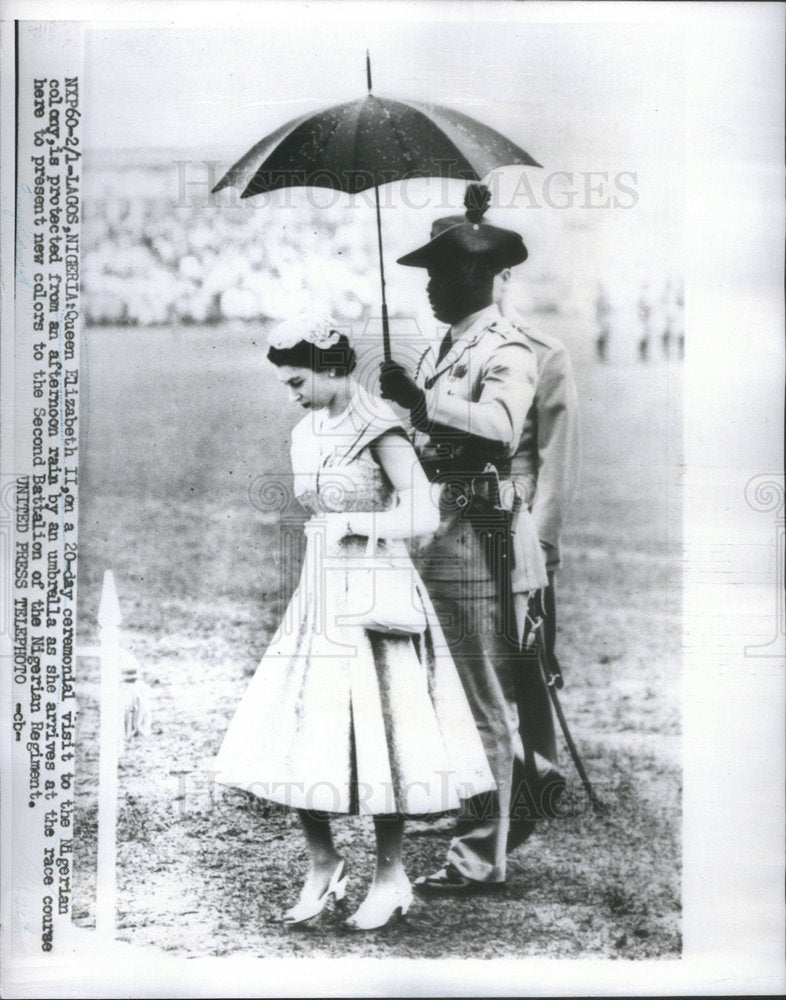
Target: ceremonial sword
[553,679]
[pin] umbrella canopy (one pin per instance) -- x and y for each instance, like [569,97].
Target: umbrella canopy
[361,144]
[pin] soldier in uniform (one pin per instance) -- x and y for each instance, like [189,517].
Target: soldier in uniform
[602,312]
[548,455]
[470,403]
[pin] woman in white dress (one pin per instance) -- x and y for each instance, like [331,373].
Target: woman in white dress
[342,717]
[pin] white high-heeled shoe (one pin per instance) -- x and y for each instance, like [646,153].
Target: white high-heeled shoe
[307,910]
[378,911]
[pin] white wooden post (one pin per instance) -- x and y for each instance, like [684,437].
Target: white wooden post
[109,618]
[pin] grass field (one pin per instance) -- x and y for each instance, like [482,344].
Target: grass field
[176,427]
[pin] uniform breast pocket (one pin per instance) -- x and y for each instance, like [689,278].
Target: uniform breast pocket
[456,379]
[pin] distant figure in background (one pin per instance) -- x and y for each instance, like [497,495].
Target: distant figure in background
[668,320]
[645,311]
[342,717]
[679,302]
[602,312]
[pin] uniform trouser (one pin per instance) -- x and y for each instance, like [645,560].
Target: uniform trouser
[505,693]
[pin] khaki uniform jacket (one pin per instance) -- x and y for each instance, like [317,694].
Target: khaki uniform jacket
[548,455]
[484,386]
[477,399]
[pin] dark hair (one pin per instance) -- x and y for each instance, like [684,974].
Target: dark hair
[339,356]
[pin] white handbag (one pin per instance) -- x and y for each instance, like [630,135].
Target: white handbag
[385,596]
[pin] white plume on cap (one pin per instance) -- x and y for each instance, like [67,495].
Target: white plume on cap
[313,328]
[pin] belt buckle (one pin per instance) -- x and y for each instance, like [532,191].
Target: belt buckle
[461,501]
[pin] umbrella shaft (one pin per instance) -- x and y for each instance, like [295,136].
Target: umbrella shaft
[385,324]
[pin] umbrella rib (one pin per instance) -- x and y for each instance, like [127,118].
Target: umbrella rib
[248,192]
[399,140]
[395,133]
[457,119]
[336,125]
[362,108]
[278,135]
[459,155]
[446,138]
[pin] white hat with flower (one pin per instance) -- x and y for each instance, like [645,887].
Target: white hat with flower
[312,328]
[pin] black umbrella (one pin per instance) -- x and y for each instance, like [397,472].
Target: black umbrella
[359,145]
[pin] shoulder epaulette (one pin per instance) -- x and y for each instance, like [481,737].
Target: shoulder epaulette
[507,330]
[547,340]
[519,326]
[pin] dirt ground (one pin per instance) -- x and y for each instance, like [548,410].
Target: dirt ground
[174,430]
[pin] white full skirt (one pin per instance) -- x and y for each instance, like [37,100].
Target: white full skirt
[341,719]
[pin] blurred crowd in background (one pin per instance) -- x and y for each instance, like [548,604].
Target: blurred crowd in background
[151,259]
[146,262]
